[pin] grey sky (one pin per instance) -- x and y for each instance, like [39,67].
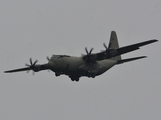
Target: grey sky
[40,28]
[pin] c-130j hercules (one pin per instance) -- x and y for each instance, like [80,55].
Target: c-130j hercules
[89,65]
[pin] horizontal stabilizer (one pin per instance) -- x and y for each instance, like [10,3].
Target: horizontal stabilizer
[130,59]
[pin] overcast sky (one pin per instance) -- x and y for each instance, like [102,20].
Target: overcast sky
[40,28]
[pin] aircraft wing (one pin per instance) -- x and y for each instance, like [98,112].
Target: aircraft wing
[122,50]
[133,47]
[18,70]
[32,66]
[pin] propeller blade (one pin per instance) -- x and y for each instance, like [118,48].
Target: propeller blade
[90,51]
[35,63]
[27,71]
[31,61]
[86,50]
[105,46]
[27,65]
[48,58]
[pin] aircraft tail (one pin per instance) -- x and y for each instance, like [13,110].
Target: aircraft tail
[113,44]
[130,59]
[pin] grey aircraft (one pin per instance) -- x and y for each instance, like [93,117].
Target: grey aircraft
[89,65]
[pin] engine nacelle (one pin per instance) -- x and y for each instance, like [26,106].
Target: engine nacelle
[36,68]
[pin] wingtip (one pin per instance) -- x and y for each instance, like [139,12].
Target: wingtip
[6,72]
[155,40]
[141,57]
[144,56]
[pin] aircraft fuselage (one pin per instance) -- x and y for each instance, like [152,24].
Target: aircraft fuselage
[76,67]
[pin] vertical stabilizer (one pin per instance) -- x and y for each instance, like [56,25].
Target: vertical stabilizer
[113,44]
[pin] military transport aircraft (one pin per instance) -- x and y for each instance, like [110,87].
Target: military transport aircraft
[89,65]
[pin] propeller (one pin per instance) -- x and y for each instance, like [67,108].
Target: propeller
[88,53]
[89,58]
[107,49]
[110,51]
[32,65]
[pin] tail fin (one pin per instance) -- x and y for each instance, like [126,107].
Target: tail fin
[113,44]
